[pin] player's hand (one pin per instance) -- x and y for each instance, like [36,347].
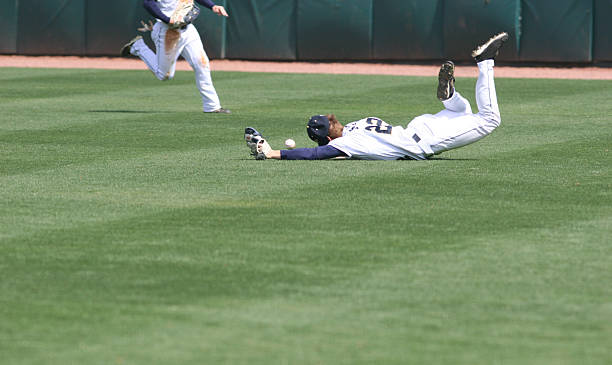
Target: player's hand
[219,10]
[263,150]
[146,27]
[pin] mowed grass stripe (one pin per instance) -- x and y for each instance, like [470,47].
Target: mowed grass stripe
[137,230]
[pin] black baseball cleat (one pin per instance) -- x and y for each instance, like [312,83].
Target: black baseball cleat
[221,111]
[490,49]
[125,50]
[446,80]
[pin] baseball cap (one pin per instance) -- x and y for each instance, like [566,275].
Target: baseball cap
[318,129]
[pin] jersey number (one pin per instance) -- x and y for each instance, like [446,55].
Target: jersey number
[378,126]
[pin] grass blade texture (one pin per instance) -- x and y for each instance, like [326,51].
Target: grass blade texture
[136,229]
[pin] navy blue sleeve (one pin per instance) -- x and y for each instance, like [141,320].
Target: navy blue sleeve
[153,9]
[207,3]
[317,153]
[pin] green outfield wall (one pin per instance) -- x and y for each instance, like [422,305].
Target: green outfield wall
[408,30]
[261,29]
[565,31]
[8,27]
[602,30]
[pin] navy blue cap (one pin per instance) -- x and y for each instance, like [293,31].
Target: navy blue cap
[318,129]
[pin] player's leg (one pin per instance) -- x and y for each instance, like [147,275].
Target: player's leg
[167,43]
[197,58]
[141,50]
[446,133]
[486,95]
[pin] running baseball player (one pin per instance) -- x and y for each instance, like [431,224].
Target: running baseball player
[426,135]
[174,36]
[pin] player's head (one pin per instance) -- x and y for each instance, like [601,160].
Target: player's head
[324,128]
[318,129]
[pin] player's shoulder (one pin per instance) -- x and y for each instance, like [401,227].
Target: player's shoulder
[361,121]
[369,119]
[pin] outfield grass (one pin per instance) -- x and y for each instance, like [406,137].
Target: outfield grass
[137,230]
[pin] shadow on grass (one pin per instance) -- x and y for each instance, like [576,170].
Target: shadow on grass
[453,159]
[127,111]
[348,159]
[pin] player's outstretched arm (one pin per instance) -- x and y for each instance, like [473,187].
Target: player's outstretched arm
[261,150]
[317,153]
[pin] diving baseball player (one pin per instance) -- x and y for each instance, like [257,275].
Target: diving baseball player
[425,136]
[174,36]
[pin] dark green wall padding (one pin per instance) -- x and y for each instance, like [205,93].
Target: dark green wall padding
[334,29]
[408,30]
[261,29]
[51,26]
[559,33]
[8,27]
[570,31]
[602,31]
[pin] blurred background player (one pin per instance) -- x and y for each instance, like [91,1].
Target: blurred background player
[173,39]
[425,136]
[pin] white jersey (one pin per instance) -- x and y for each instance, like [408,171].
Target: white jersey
[168,7]
[373,139]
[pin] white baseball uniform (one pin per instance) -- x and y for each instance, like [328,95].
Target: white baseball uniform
[426,135]
[373,139]
[172,43]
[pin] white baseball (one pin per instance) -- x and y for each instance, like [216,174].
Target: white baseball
[290,144]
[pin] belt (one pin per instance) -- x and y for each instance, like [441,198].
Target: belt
[423,144]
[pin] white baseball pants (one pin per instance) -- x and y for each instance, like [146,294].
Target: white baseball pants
[172,43]
[456,126]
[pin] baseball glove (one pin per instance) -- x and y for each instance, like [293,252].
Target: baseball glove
[185,14]
[258,145]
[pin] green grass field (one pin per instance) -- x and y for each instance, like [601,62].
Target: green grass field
[137,230]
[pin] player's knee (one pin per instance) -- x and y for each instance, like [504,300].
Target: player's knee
[492,119]
[495,120]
